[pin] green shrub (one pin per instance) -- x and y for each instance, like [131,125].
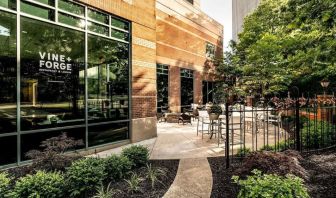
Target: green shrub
[264,186]
[241,152]
[85,175]
[117,167]
[154,174]
[280,146]
[41,184]
[138,155]
[5,182]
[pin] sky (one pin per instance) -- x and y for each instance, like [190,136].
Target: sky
[221,11]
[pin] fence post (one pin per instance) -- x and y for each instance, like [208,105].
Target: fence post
[297,125]
[227,139]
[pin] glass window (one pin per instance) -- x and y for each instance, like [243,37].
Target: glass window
[38,11]
[119,24]
[47,2]
[208,91]
[8,150]
[162,74]
[52,90]
[11,4]
[71,7]
[100,29]
[7,72]
[210,50]
[102,134]
[119,35]
[33,141]
[108,75]
[98,16]
[70,20]
[187,87]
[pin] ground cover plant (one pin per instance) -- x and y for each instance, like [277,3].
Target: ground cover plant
[319,169]
[130,174]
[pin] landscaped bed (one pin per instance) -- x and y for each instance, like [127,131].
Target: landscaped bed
[56,174]
[319,170]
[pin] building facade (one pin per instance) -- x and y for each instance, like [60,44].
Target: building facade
[240,9]
[87,68]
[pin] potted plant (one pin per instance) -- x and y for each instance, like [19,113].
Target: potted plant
[214,112]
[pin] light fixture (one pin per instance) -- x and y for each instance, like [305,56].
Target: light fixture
[324,83]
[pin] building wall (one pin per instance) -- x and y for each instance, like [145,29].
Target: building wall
[240,9]
[142,16]
[182,33]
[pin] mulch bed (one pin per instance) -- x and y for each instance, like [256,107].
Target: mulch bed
[321,168]
[146,189]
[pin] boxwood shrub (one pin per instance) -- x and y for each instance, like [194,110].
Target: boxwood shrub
[116,167]
[41,184]
[84,176]
[138,155]
[264,186]
[5,182]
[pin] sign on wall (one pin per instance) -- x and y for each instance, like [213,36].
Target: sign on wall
[55,63]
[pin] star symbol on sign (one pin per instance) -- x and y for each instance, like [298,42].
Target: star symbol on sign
[69,59]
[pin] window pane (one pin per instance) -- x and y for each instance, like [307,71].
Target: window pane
[7,72]
[71,7]
[33,140]
[102,134]
[11,4]
[187,87]
[70,20]
[98,16]
[100,29]
[52,80]
[120,35]
[48,2]
[162,86]
[37,11]
[119,24]
[108,76]
[9,150]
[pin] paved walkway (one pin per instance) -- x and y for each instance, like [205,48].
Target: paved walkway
[193,179]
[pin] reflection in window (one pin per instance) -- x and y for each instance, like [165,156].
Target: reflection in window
[11,4]
[108,76]
[162,74]
[38,11]
[71,7]
[9,150]
[7,72]
[102,134]
[52,92]
[208,91]
[187,87]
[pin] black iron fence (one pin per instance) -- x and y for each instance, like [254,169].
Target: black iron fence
[302,124]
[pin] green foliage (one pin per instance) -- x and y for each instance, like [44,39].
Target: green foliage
[138,155]
[267,186]
[279,146]
[5,182]
[153,174]
[285,43]
[215,109]
[41,184]
[116,167]
[85,175]
[316,134]
[134,183]
[53,156]
[243,151]
[107,192]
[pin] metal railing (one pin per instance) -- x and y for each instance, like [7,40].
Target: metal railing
[303,125]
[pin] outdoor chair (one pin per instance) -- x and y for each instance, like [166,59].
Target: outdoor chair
[184,118]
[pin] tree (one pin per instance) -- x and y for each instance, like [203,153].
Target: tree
[286,43]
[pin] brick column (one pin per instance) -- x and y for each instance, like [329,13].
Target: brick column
[174,89]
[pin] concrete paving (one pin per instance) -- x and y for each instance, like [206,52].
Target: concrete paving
[193,179]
